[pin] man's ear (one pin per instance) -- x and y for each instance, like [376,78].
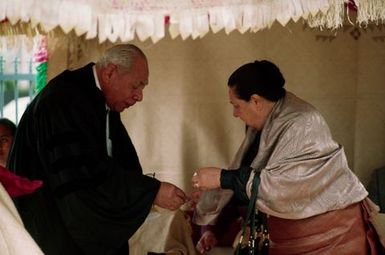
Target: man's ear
[107,72]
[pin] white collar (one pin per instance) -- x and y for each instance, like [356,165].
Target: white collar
[97,82]
[96,77]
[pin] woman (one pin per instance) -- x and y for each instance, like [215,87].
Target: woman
[14,239]
[7,132]
[314,202]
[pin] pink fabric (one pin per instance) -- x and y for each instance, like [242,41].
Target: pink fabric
[16,185]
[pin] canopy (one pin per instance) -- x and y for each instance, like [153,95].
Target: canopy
[123,19]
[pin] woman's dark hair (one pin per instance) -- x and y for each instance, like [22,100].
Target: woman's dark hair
[9,124]
[261,77]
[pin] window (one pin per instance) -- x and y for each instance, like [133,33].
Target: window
[17,76]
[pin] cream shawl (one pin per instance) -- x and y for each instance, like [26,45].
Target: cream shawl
[14,238]
[303,171]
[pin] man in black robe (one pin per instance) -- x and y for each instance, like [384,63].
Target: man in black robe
[94,195]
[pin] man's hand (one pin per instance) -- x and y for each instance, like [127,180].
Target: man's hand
[170,196]
[207,242]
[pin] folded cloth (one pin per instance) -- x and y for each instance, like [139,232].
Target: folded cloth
[16,185]
[163,232]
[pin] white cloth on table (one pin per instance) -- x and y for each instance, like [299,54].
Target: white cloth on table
[163,231]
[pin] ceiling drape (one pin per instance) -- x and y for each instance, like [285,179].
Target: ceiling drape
[122,20]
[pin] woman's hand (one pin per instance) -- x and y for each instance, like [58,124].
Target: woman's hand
[207,242]
[207,178]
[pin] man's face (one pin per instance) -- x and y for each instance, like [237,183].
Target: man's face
[126,87]
[6,139]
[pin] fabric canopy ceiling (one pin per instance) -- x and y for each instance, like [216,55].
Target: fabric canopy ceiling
[123,19]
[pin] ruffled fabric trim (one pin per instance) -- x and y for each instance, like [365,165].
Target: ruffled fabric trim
[370,11]
[122,20]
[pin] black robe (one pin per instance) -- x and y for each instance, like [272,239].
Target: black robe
[90,203]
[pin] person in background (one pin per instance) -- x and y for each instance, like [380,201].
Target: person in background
[71,137]
[314,202]
[15,238]
[13,184]
[7,132]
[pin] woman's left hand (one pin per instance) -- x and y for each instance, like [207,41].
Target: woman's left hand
[207,178]
[206,242]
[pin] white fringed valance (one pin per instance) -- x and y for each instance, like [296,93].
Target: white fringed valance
[124,19]
[370,11]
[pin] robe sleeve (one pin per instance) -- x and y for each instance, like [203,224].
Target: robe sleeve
[236,180]
[101,202]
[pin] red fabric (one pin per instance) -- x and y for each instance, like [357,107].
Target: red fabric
[341,232]
[371,233]
[16,185]
[352,5]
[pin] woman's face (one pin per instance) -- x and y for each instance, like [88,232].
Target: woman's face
[245,110]
[6,139]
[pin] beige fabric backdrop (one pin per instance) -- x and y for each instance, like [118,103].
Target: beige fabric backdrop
[185,120]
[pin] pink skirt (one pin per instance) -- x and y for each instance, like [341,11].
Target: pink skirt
[342,232]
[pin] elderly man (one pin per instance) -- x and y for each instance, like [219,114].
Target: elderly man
[94,195]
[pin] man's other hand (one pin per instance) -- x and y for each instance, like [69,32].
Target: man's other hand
[170,196]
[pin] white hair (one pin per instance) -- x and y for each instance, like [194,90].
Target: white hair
[122,55]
